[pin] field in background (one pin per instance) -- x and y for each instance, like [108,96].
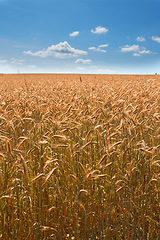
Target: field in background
[79,157]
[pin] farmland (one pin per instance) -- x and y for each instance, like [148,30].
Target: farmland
[79,157]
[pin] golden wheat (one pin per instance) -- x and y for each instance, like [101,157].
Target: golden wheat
[79,159]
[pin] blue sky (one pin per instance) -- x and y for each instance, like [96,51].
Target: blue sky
[80,36]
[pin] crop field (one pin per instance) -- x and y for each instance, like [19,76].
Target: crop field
[79,157]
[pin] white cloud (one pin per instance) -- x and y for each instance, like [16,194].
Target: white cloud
[100,30]
[80,68]
[74,34]
[136,49]
[136,55]
[3,61]
[157,39]
[105,71]
[13,61]
[16,61]
[104,45]
[92,48]
[141,39]
[87,61]
[127,48]
[31,66]
[144,51]
[61,50]
[98,49]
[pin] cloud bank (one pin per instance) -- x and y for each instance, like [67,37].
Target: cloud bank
[61,50]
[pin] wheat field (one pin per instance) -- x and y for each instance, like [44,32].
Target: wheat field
[79,157]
